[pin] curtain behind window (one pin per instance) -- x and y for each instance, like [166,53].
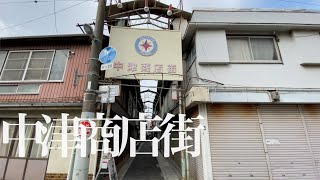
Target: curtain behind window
[37,148]
[239,49]
[28,134]
[263,49]
[4,148]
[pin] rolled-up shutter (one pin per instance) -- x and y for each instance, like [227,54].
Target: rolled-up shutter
[311,114]
[289,153]
[237,149]
[195,163]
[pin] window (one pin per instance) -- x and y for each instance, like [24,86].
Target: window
[33,65]
[33,165]
[20,89]
[3,55]
[59,64]
[32,148]
[253,49]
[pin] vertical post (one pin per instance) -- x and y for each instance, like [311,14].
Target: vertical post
[81,164]
[182,105]
[184,154]
[183,159]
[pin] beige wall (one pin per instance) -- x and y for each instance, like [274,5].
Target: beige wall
[169,52]
[58,164]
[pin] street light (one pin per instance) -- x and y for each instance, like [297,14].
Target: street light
[146,8]
[119,4]
[88,29]
[169,12]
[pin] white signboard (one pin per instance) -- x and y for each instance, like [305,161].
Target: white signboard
[113,90]
[106,66]
[108,93]
[146,54]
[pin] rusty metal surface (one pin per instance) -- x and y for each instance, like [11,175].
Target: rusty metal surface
[56,91]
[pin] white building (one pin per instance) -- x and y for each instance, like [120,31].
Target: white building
[254,76]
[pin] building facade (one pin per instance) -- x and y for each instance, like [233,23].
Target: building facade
[253,76]
[46,75]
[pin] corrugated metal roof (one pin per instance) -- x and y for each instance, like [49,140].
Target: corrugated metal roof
[46,36]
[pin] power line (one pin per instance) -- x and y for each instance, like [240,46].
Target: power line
[40,1]
[41,17]
[23,2]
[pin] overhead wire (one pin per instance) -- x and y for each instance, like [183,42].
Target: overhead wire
[24,2]
[40,1]
[44,16]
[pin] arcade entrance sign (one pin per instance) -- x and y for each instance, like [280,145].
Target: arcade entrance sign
[146,54]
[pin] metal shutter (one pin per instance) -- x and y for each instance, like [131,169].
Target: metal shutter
[311,114]
[237,149]
[289,153]
[195,163]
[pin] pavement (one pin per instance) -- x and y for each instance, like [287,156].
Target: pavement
[146,167]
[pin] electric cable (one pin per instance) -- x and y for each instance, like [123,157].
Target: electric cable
[39,1]
[44,16]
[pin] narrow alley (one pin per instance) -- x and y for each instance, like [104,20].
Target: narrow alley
[144,166]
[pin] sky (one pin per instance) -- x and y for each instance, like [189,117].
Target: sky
[27,18]
[17,16]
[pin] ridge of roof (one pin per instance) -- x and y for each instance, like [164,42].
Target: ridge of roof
[255,10]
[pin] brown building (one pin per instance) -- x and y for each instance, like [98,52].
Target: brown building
[46,75]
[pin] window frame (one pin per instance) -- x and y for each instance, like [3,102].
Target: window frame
[20,93]
[65,66]
[256,61]
[27,64]
[28,151]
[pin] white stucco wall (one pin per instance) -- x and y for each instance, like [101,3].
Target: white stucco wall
[256,16]
[206,41]
[295,48]
[180,24]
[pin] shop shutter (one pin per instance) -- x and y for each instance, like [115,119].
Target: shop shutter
[237,149]
[289,153]
[195,163]
[311,114]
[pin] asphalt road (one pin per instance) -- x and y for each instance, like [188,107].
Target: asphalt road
[144,167]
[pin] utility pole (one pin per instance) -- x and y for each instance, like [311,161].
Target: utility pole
[184,154]
[182,100]
[80,165]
